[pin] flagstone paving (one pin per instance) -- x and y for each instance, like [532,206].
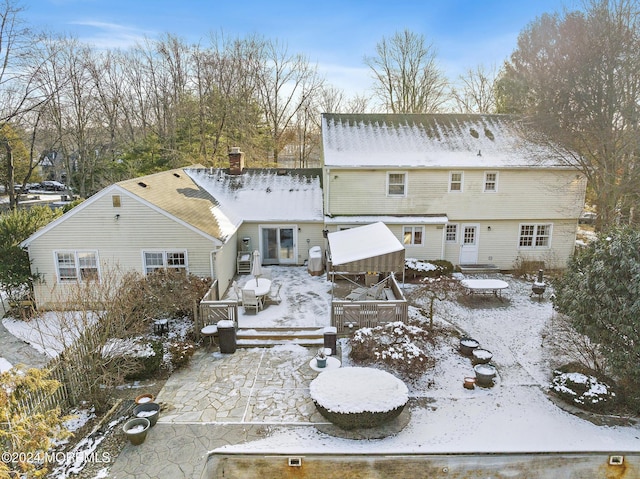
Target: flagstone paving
[222,399]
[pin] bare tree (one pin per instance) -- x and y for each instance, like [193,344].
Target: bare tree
[408,79]
[285,83]
[476,93]
[577,76]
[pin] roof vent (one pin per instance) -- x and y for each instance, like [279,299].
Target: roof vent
[489,134]
[142,184]
[176,175]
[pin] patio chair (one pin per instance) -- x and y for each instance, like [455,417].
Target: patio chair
[238,292]
[357,294]
[274,294]
[250,300]
[375,291]
[266,273]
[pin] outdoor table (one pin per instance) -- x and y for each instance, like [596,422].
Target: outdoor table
[485,286]
[261,287]
[332,363]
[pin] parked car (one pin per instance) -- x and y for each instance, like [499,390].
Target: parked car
[53,186]
[587,218]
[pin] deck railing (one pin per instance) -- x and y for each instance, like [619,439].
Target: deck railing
[210,310]
[347,316]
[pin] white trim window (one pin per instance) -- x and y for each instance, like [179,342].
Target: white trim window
[77,266]
[490,181]
[455,181]
[413,235]
[396,183]
[535,236]
[164,260]
[451,233]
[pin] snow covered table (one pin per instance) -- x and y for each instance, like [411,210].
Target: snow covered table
[485,286]
[354,397]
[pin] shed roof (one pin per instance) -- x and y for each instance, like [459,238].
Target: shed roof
[371,247]
[434,141]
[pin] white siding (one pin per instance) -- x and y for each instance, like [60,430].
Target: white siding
[119,242]
[521,193]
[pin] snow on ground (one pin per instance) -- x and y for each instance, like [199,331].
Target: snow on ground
[515,415]
[50,332]
[4,365]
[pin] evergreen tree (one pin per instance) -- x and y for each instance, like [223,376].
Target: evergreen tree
[600,293]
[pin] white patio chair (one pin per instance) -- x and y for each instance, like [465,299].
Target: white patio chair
[375,291]
[266,273]
[250,300]
[238,292]
[274,294]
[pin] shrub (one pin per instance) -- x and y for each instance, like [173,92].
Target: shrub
[576,386]
[181,352]
[415,268]
[395,345]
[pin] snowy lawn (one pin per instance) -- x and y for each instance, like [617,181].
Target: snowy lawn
[515,415]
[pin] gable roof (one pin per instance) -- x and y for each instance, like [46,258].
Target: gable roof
[433,141]
[265,194]
[171,193]
[175,193]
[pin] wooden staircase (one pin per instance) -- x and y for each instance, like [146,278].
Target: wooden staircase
[267,337]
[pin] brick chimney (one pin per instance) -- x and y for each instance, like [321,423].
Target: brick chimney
[236,161]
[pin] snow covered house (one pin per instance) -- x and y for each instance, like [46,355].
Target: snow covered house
[195,219]
[471,189]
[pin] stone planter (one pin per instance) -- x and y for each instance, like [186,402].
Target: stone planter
[149,410]
[485,373]
[469,383]
[481,356]
[144,398]
[467,345]
[136,430]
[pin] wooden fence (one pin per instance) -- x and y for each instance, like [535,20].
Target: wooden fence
[347,316]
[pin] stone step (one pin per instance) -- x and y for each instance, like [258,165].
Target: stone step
[273,336]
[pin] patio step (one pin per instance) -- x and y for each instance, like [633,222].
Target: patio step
[264,337]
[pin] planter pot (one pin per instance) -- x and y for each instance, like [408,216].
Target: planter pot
[485,374]
[469,383]
[467,345]
[321,362]
[149,410]
[136,430]
[481,356]
[144,398]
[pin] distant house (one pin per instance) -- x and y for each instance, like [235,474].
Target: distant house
[193,219]
[471,189]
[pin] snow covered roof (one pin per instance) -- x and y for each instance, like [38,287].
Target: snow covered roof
[366,248]
[433,141]
[264,194]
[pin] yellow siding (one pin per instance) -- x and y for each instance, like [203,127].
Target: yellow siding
[120,245]
[540,194]
[499,245]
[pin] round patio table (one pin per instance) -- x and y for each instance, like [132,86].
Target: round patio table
[261,287]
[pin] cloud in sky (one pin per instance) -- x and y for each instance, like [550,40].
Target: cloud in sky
[106,35]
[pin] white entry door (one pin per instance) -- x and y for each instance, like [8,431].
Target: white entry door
[469,244]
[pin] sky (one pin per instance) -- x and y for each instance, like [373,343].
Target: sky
[335,35]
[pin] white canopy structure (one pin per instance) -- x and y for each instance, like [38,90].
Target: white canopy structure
[366,248]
